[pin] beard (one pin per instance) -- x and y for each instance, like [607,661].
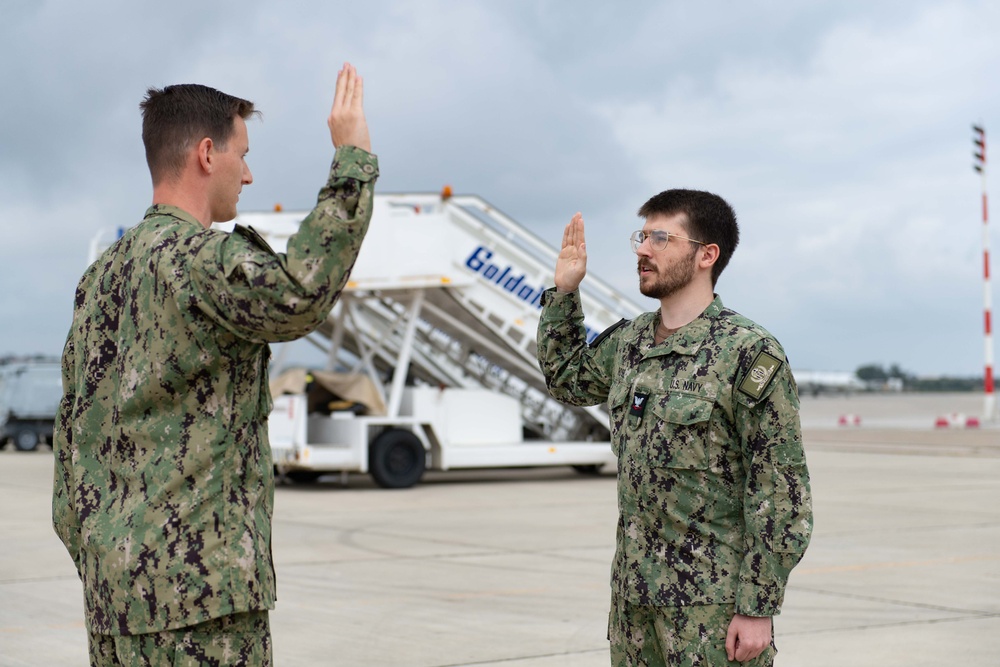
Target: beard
[675,278]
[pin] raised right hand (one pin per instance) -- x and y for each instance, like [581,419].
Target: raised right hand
[348,126]
[571,266]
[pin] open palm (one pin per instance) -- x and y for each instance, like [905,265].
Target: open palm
[571,266]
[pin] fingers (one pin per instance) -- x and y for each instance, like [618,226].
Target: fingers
[747,637]
[341,89]
[347,122]
[346,83]
[731,642]
[572,232]
[575,228]
[571,265]
[352,81]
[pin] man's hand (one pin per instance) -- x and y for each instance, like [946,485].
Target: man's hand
[571,266]
[348,126]
[748,637]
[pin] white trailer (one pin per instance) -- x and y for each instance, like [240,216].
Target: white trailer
[437,324]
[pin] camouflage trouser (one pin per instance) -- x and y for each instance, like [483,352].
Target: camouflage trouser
[240,640]
[695,636]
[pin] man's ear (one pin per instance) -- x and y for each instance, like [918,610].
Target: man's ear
[708,255]
[206,154]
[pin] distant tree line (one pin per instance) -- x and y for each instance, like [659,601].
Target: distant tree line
[875,375]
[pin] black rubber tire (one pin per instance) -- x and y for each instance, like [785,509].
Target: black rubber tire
[396,459]
[592,469]
[26,439]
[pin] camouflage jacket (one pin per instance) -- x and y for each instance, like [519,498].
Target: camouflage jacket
[713,491]
[164,486]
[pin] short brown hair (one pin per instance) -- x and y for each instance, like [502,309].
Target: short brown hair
[177,117]
[710,219]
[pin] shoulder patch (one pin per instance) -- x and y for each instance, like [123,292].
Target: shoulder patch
[607,332]
[762,372]
[254,237]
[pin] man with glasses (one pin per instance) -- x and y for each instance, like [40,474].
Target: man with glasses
[713,491]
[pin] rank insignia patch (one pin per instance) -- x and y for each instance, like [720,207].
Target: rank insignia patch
[762,371]
[638,405]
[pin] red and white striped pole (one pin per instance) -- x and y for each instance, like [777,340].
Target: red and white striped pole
[989,400]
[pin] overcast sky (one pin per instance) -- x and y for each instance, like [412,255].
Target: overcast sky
[838,130]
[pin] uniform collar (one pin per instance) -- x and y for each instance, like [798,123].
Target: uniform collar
[687,340]
[172,211]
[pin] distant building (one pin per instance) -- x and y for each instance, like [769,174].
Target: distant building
[818,382]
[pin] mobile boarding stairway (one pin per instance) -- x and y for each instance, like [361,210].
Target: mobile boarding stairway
[437,328]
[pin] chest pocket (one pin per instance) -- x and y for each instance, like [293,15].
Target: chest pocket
[683,422]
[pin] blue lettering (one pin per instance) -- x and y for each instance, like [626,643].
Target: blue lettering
[511,284]
[474,262]
[531,295]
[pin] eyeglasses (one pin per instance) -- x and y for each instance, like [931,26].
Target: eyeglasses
[658,239]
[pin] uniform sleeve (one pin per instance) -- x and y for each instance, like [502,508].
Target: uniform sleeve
[65,519]
[266,297]
[574,372]
[778,503]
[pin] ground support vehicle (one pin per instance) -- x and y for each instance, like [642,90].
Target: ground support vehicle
[30,392]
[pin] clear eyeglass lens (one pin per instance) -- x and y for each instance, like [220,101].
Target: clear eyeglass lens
[636,240]
[657,240]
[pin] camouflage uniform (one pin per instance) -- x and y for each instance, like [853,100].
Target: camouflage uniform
[713,491]
[237,640]
[164,485]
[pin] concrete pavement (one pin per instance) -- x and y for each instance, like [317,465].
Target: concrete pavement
[510,568]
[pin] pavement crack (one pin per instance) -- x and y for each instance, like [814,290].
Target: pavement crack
[895,624]
[978,613]
[538,656]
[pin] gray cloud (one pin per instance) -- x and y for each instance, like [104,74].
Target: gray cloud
[839,130]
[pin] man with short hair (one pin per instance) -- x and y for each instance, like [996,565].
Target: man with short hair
[164,486]
[713,491]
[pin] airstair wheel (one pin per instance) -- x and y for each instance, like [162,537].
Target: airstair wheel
[396,459]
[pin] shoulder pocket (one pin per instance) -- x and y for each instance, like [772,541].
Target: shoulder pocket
[792,499]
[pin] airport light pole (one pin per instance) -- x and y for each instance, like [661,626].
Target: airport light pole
[979,164]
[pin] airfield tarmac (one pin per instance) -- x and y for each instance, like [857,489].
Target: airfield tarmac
[509,568]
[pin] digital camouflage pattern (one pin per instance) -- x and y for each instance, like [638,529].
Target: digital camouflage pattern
[692,636]
[713,491]
[240,640]
[164,488]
